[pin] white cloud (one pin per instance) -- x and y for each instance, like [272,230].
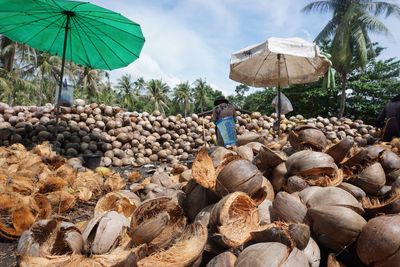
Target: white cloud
[191,39]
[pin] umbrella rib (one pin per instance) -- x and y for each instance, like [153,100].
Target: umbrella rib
[255,76]
[104,23]
[29,22]
[80,38]
[287,70]
[101,55]
[54,40]
[88,22]
[309,61]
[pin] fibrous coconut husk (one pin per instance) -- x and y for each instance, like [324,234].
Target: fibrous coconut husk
[289,234]
[150,209]
[233,218]
[203,170]
[91,180]
[114,182]
[61,201]
[123,202]
[186,250]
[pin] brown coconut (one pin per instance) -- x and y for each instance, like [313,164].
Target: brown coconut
[340,150]
[271,254]
[372,178]
[305,136]
[288,208]
[379,242]
[225,259]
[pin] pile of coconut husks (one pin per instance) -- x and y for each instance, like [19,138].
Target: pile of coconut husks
[298,202]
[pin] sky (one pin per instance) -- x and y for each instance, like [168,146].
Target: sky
[191,39]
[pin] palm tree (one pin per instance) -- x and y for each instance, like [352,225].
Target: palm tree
[127,91]
[182,95]
[201,91]
[11,84]
[157,92]
[140,85]
[352,22]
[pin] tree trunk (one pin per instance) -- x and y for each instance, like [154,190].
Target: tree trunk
[343,95]
[185,107]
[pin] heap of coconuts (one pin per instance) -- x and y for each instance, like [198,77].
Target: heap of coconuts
[131,138]
[299,201]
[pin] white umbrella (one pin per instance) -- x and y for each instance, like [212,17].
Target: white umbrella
[278,62]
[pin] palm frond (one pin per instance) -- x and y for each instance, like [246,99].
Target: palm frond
[320,6]
[372,24]
[360,46]
[385,8]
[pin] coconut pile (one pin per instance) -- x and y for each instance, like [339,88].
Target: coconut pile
[297,202]
[131,138]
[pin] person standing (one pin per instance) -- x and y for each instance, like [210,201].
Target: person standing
[389,118]
[224,115]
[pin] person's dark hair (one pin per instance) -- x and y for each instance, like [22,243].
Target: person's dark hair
[396,98]
[220,100]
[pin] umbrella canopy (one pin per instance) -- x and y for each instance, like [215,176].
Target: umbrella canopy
[299,62]
[91,35]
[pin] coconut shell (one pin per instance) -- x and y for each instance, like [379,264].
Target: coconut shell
[335,227]
[379,241]
[288,208]
[197,198]
[339,151]
[245,152]
[185,251]
[271,254]
[357,192]
[306,136]
[225,259]
[233,218]
[278,177]
[219,154]
[239,175]
[372,178]
[308,162]
[390,161]
[268,158]
[264,212]
[295,184]
[150,229]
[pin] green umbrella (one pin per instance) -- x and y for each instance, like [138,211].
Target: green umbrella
[81,32]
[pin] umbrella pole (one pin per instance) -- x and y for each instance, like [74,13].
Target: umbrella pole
[62,69]
[279,95]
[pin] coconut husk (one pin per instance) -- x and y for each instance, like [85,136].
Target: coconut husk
[305,136]
[238,175]
[150,209]
[186,250]
[91,180]
[271,254]
[18,214]
[44,150]
[335,227]
[67,173]
[357,192]
[123,202]
[203,170]
[313,253]
[233,218]
[134,176]
[114,182]
[103,233]
[51,183]
[291,235]
[340,150]
[219,154]
[22,184]
[379,241]
[61,201]
[118,257]
[330,197]
[225,259]
[387,204]
[245,152]
[310,163]
[372,178]
[288,208]
[333,262]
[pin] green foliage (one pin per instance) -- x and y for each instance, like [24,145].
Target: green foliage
[157,92]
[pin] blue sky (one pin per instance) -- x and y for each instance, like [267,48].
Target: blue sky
[190,39]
